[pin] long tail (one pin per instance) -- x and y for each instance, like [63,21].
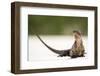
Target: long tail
[52,49]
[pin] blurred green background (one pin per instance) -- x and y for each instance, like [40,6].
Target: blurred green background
[56,25]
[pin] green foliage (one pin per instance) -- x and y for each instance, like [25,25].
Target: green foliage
[56,25]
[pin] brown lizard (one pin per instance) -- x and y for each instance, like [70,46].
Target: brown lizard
[77,49]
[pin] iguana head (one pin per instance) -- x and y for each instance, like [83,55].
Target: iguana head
[77,34]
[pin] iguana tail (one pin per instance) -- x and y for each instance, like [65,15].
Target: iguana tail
[61,52]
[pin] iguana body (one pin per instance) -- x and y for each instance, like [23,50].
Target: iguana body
[77,49]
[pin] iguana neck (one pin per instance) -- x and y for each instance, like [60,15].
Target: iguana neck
[78,41]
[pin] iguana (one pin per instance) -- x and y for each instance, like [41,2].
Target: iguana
[77,49]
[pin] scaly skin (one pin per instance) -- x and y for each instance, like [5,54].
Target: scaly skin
[77,49]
